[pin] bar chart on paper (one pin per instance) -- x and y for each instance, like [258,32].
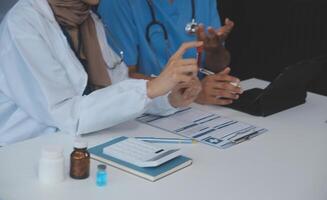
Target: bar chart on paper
[208,128]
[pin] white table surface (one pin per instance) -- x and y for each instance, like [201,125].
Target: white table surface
[288,162]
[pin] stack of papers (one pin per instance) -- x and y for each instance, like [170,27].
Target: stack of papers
[208,128]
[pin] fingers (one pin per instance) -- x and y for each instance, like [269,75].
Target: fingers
[225,71]
[225,30]
[184,47]
[222,102]
[217,89]
[187,72]
[213,37]
[229,23]
[212,33]
[229,84]
[218,101]
[180,70]
[227,87]
[225,78]
[185,93]
[185,67]
[191,93]
[192,89]
[212,41]
[213,100]
[227,94]
[200,32]
[188,61]
[222,89]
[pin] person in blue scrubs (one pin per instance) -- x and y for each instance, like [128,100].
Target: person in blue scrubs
[148,50]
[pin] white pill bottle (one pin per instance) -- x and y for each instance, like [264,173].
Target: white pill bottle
[51,165]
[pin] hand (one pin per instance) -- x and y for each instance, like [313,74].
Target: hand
[217,56]
[218,90]
[178,70]
[224,31]
[185,93]
[215,38]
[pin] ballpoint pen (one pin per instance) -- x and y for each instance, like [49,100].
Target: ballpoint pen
[226,143]
[199,51]
[208,73]
[245,138]
[167,140]
[235,134]
[205,71]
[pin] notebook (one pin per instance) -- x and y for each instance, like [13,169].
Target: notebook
[148,173]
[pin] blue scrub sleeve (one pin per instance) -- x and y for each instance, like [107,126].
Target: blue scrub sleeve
[214,20]
[117,16]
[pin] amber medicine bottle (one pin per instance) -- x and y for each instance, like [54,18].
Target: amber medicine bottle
[80,161]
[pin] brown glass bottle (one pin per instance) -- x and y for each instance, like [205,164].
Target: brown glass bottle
[80,161]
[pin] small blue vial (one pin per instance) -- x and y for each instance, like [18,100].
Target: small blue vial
[101,176]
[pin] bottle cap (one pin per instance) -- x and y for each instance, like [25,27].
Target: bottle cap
[79,144]
[102,167]
[52,152]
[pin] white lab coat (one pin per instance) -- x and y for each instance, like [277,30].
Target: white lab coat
[42,82]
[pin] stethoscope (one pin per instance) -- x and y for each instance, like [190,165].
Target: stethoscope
[190,27]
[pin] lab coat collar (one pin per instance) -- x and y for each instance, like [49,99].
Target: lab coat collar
[43,7]
[75,71]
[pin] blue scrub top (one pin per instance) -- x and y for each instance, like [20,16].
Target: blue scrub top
[126,21]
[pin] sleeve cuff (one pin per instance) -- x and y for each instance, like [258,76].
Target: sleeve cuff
[161,106]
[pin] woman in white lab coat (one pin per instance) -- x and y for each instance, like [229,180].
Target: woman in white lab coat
[56,77]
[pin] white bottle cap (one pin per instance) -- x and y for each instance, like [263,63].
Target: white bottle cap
[79,144]
[52,152]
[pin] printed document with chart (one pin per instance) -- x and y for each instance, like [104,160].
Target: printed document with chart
[205,127]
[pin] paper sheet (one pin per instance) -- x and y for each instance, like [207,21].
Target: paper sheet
[205,127]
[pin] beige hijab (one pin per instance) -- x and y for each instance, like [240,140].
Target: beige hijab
[72,14]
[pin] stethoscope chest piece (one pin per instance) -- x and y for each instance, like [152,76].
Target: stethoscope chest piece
[191,27]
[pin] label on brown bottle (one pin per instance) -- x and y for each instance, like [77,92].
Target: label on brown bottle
[80,168]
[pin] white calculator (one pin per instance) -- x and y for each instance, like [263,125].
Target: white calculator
[140,153]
